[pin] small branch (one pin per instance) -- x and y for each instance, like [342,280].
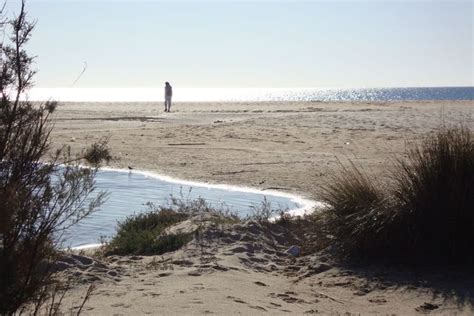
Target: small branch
[186,144]
[330,297]
[276,188]
[276,162]
[89,292]
[231,172]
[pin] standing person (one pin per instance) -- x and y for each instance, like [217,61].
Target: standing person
[168,95]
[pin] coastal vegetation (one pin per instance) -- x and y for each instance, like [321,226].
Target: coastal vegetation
[421,212]
[42,192]
[145,234]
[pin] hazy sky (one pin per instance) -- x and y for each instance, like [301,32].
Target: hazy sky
[252,43]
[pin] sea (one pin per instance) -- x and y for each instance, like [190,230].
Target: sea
[250,94]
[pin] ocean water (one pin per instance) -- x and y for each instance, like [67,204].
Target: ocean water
[250,94]
[130,191]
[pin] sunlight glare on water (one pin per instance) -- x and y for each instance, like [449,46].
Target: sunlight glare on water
[249,94]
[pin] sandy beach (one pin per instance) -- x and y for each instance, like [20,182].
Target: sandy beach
[286,146]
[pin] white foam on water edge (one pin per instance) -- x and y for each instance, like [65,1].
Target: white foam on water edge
[85,247]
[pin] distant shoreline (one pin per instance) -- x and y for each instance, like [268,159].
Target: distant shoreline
[263,102]
[252,94]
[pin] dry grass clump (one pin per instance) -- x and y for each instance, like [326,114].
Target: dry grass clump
[425,209]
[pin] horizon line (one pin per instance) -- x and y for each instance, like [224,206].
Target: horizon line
[264,87]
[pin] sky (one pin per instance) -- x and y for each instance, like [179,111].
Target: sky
[251,43]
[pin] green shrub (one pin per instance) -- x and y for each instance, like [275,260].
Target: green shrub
[423,211]
[143,234]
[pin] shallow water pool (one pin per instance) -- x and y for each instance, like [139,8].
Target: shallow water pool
[130,191]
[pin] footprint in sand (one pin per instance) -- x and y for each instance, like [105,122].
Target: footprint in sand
[292,300]
[239,301]
[194,273]
[426,307]
[120,305]
[182,263]
[260,283]
[196,301]
[258,307]
[312,311]
[378,300]
[289,299]
[239,249]
[220,268]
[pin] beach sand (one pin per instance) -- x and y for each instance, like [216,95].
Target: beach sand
[287,146]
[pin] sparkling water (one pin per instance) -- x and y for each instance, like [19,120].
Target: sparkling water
[251,94]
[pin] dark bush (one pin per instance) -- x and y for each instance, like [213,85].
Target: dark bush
[41,194]
[424,210]
[434,190]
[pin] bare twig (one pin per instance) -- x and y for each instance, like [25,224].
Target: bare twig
[89,293]
[186,144]
[330,297]
[231,172]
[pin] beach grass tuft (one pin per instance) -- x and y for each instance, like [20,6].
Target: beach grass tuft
[423,211]
[144,234]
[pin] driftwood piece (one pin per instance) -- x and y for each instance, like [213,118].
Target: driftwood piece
[276,162]
[276,188]
[186,144]
[231,172]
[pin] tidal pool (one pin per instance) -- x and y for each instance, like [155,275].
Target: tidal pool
[129,192]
